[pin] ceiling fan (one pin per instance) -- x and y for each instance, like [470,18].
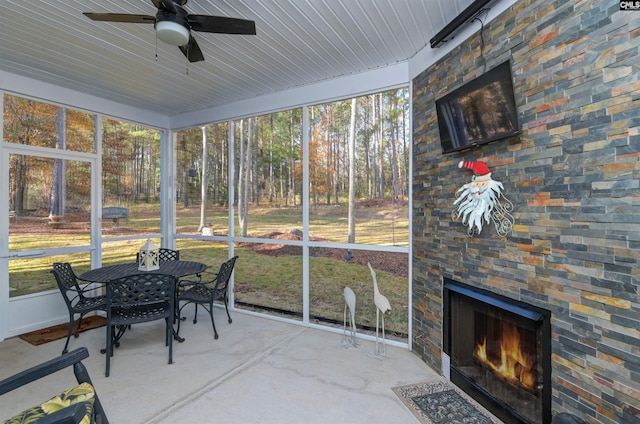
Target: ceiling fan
[173,25]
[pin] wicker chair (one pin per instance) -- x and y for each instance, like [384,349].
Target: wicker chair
[205,293]
[136,299]
[77,299]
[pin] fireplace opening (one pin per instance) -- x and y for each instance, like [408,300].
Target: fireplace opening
[498,351]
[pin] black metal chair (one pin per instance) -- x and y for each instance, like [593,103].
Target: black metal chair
[136,299]
[168,254]
[205,293]
[164,254]
[78,299]
[82,400]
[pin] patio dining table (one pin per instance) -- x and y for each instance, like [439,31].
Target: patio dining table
[177,269]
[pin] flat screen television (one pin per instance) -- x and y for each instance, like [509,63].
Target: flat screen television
[481,111]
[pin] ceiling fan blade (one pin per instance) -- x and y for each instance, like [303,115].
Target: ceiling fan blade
[192,50]
[121,17]
[221,25]
[165,5]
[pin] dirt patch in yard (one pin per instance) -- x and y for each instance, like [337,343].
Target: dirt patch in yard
[392,262]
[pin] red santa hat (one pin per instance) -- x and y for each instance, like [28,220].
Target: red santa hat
[480,169]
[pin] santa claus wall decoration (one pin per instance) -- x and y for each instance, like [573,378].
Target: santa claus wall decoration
[478,202]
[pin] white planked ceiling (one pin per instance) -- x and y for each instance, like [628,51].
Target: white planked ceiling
[298,42]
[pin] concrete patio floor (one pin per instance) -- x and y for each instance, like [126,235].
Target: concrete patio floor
[258,371]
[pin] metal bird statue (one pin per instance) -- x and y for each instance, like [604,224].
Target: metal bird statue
[382,306]
[350,305]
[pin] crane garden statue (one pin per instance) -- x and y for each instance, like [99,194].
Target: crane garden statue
[382,306]
[349,339]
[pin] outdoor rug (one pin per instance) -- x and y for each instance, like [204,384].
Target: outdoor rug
[440,402]
[56,332]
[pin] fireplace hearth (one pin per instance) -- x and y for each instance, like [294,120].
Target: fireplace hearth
[498,350]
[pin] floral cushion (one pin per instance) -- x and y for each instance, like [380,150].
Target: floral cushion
[83,392]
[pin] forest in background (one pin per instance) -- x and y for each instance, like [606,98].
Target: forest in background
[357,155]
[370,134]
[357,150]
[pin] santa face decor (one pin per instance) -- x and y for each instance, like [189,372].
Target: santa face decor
[478,202]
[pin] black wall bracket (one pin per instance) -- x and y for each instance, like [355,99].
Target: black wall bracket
[469,14]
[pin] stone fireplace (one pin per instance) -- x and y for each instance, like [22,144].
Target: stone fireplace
[573,176]
[499,351]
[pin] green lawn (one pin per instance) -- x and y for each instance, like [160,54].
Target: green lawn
[271,284]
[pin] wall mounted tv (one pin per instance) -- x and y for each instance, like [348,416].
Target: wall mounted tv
[481,111]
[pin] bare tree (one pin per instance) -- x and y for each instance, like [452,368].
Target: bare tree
[253,149]
[393,123]
[58,183]
[380,137]
[204,185]
[243,189]
[291,181]
[352,174]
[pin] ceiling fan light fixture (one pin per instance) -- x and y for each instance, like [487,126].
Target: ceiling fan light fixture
[172,33]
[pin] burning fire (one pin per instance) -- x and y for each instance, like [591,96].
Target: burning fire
[514,365]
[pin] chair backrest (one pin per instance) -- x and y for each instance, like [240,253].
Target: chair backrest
[65,277]
[168,254]
[141,289]
[164,255]
[224,274]
[42,371]
[67,282]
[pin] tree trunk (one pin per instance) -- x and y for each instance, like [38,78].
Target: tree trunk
[21,184]
[291,181]
[352,174]
[380,137]
[242,192]
[203,182]
[394,148]
[58,181]
[247,180]
[255,175]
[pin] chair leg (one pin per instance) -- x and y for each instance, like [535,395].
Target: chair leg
[76,334]
[195,314]
[71,323]
[170,339]
[213,323]
[108,349]
[180,316]
[166,341]
[227,308]
[176,315]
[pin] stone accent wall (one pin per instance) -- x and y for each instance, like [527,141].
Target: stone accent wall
[573,176]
